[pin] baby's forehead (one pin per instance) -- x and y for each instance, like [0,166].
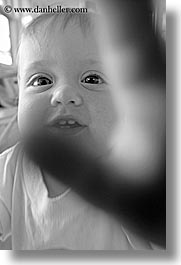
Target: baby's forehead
[58,45]
[70,43]
[54,30]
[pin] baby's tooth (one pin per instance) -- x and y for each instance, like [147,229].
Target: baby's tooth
[62,122]
[71,122]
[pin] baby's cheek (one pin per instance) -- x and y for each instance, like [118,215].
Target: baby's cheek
[31,112]
[102,113]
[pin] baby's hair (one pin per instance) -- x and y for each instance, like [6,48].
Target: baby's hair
[60,21]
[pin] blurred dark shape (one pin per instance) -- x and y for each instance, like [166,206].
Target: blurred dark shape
[131,23]
[140,208]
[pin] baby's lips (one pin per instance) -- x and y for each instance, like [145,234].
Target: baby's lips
[67,118]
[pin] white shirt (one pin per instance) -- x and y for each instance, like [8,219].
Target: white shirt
[35,221]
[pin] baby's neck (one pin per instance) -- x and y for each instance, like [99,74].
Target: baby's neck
[54,187]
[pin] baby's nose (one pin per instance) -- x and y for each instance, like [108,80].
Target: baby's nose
[65,96]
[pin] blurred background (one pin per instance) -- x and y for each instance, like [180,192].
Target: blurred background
[11,25]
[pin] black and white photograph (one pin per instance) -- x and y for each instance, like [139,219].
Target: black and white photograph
[83,125]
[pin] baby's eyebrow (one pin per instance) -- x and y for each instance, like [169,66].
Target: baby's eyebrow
[38,65]
[91,61]
[44,63]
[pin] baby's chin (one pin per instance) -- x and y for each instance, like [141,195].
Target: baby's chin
[89,141]
[85,139]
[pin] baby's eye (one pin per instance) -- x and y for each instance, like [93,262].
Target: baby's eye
[40,80]
[92,80]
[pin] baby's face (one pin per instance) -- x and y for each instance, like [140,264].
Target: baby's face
[63,88]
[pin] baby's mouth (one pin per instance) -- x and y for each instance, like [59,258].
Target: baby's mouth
[63,124]
[67,126]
